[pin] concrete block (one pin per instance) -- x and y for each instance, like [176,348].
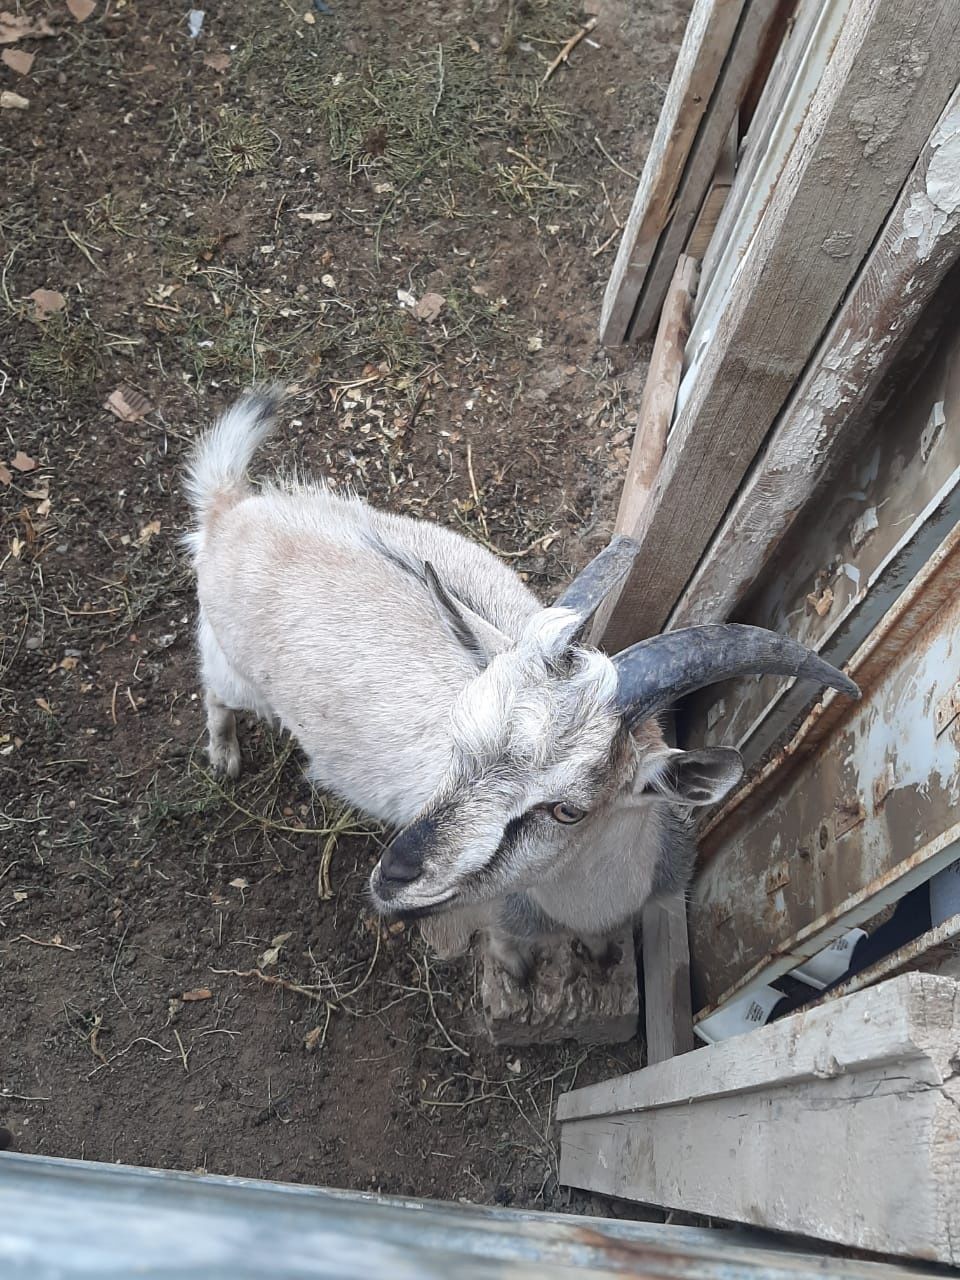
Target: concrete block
[570,997]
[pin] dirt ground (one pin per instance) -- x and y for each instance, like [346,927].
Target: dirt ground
[386,207]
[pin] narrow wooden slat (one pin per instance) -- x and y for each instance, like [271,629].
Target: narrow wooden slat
[659,397]
[874,109]
[759,18]
[919,244]
[707,218]
[656,410]
[666,979]
[710,30]
[757,130]
[716,197]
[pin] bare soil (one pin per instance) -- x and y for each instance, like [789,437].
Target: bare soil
[180,986]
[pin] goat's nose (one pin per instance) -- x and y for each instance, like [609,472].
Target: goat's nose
[400,865]
[402,861]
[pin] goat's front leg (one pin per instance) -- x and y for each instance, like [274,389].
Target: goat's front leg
[517,956]
[224,748]
[449,934]
[512,940]
[601,951]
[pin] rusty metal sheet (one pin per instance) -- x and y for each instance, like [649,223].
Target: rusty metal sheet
[86,1221]
[852,827]
[851,555]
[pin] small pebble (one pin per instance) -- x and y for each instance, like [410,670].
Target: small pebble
[33,642]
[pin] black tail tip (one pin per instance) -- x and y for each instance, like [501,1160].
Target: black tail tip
[264,401]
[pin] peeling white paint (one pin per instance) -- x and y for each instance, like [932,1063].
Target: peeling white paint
[931,210]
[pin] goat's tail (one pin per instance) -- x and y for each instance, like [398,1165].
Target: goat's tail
[217,471]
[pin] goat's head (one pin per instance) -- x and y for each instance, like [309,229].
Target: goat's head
[555,743]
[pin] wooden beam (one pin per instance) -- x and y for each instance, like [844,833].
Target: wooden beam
[759,19]
[780,1128]
[707,39]
[856,147]
[656,411]
[791,85]
[917,247]
[668,1006]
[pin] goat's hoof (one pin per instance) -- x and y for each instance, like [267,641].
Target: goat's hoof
[520,966]
[605,955]
[225,758]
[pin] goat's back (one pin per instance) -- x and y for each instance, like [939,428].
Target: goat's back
[321,605]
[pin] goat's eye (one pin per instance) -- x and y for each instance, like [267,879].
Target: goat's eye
[568,813]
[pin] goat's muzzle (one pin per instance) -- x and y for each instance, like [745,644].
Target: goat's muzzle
[402,861]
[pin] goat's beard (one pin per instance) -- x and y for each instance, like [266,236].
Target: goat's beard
[410,914]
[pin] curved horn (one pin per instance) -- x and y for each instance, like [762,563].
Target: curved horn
[604,574]
[660,670]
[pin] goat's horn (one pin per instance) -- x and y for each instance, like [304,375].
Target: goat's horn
[658,671]
[604,574]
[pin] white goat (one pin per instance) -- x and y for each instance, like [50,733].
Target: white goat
[429,689]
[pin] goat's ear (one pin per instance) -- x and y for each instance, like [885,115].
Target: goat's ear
[481,639]
[695,777]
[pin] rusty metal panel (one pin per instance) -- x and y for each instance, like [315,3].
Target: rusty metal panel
[851,555]
[72,1220]
[847,829]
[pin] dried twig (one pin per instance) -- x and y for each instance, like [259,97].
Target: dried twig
[568,48]
[607,243]
[458,1048]
[273,980]
[38,942]
[94,1033]
[626,172]
[183,1052]
[476,495]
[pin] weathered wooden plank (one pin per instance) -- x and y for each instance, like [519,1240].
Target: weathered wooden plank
[771,134]
[870,117]
[822,841]
[656,410]
[918,246]
[759,18]
[659,396]
[668,1009]
[778,1130]
[709,32]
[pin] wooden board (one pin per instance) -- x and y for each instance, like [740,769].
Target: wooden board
[770,137]
[668,1008]
[857,145]
[780,1129]
[656,410]
[760,18]
[716,197]
[708,36]
[918,246]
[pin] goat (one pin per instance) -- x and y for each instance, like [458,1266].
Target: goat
[531,785]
